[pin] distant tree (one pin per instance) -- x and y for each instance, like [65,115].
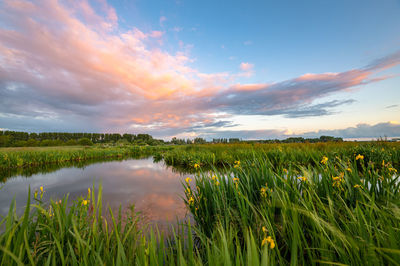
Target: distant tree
[199,141]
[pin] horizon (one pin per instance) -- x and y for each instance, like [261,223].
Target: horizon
[181,69]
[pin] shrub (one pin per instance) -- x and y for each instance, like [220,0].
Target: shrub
[85,142]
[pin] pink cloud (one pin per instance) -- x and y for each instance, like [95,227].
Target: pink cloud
[244,66]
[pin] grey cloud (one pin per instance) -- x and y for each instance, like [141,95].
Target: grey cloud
[362,131]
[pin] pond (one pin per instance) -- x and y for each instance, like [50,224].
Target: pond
[154,189]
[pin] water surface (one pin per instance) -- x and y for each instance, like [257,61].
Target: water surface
[154,189]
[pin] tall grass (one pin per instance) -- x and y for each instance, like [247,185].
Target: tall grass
[296,154]
[269,205]
[63,234]
[329,212]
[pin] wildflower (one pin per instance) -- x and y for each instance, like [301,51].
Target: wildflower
[357,186]
[196,165]
[263,192]
[337,180]
[84,202]
[264,229]
[217,183]
[268,240]
[41,192]
[392,169]
[191,201]
[302,178]
[324,160]
[383,163]
[359,157]
[36,193]
[349,170]
[235,179]
[285,171]
[214,177]
[89,194]
[237,164]
[188,180]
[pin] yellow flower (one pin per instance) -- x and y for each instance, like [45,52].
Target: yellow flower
[383,163]
[84,203]
[214,177]
[263,191]
[359,157]
[188,180]
[392,169]
[237,164]
[357,186]
[41,189]
[36,193]
[217,183]
[235,179]
[264,241]
[349,170]
[196,165]
[302,178]
[264,229]
[285,171]
[191,201]
[271,244]
[89,194]
[324,160]
[268,240]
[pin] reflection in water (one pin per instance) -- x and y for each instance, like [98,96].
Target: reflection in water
[155,190]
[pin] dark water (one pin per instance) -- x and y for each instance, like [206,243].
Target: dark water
[154,189]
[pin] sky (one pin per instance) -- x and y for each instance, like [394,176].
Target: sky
[211,69]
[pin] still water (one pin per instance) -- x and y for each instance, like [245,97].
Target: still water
[155,190]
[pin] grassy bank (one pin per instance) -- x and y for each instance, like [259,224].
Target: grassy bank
[37,156]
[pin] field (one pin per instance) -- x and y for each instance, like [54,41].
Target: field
[262,204]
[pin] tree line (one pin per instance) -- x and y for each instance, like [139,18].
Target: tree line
[237,140]
[25,139]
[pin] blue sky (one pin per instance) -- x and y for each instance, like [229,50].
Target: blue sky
[249,69]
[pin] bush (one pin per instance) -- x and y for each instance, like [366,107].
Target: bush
[85,142]
[71,142]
